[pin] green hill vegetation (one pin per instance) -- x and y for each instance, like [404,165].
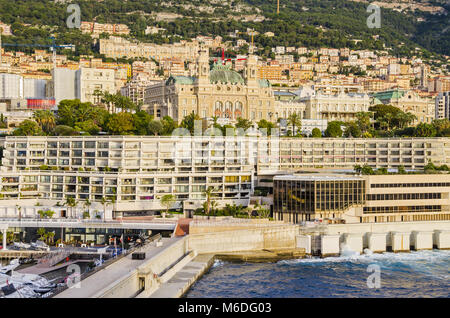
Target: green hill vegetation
[310,23]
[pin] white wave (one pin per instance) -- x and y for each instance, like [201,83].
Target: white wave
[369,256]
[217,263]
[432,263]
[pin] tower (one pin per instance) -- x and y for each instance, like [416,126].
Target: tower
[251,70]
[203,66]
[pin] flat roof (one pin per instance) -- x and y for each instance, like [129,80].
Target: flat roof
[317,177]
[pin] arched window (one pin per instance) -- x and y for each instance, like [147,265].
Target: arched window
[237,109]
[228,109]
[218,109]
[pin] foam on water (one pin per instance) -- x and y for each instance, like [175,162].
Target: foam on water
[414,274]
[425,262]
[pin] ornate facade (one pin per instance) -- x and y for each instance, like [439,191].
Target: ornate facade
[219,92]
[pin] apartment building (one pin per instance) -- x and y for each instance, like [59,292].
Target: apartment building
[340,106]
[345,153]
[96,29]
[81,84]
[117,47]
[443,106]
[132,173]
[362,199]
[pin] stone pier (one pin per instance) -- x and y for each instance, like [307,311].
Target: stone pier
[422,240]
[400,241]
[330,245]
[377,242]
[354,242]
[442,239]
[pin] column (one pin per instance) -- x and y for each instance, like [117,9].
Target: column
[4,240]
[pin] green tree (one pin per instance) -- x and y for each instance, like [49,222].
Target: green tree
[141,120]
[45,119]
[28,128]
[357,169]
[120,123]
[168,201]
[264,124]
[155,127]
[367,170]
[243,123]
[425,130]
[208,194]
[169,125]
[352,129]
[316,133]
[188,122]
[334,129]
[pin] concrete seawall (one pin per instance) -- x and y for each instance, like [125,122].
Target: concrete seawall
[169,271]
[377,237]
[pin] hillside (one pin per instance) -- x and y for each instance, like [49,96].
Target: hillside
[311,23]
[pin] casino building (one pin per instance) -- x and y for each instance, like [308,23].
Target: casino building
[219,92]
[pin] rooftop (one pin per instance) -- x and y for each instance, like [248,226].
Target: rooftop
[321,177]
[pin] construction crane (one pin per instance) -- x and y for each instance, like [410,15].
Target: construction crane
[224,60]
[252,33]
[278,6]
[52,47]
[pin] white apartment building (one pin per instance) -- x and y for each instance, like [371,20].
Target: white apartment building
[90,80]
[81,84]
[132,173]
[442,107]
[340,106]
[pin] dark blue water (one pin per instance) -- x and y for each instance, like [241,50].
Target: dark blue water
[415,274]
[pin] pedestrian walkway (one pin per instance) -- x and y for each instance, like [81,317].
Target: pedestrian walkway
[180,283]
[93,285]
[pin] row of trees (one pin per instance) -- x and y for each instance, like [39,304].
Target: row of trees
[117,115]
[210,206]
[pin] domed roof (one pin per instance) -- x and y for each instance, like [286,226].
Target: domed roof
[223,74]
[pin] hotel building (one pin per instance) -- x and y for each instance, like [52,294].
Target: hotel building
[133,173]
[362,199]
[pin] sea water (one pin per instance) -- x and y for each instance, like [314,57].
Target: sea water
[414,274]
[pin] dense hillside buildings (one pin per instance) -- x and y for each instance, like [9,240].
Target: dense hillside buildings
[362,199]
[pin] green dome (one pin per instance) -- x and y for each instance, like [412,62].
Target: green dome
[186,80]
[223,74]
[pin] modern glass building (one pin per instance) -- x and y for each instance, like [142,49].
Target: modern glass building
[362,199]
[309,197]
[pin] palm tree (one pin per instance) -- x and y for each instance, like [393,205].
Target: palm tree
[214,206]
[105,202]
[71,203]
[208,193]
[45,119]
[87,204]
[294,120]
[410,118]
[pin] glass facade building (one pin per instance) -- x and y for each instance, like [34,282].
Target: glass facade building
[305,198]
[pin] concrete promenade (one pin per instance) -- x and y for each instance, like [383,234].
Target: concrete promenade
[94,286]
[180,283]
